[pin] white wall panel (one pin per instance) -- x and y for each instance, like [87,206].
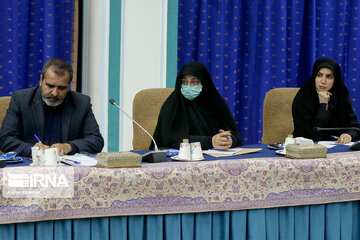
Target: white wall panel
[142,59]
[95,55]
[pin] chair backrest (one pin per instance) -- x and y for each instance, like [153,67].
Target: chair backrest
[277,115]
[146,107]
[4,104]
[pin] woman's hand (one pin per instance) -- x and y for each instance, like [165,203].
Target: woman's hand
[222,140]
[324,97]
[344,138]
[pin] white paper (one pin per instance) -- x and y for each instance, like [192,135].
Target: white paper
[231,151]
[328,144]
[79,160]
[331,144]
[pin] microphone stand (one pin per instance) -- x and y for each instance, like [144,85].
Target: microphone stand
[151,157]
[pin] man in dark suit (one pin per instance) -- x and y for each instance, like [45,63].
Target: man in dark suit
[61,118]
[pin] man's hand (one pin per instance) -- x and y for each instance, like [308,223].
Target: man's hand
[63,148]
[344,138]
[40,145]
[222,140]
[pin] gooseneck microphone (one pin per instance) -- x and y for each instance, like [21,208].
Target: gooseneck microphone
[152,157]
[318,129]
[112,101]
[355,146]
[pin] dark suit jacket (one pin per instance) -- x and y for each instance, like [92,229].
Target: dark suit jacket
[25,117]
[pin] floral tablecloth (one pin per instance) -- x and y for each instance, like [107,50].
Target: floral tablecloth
[181,187]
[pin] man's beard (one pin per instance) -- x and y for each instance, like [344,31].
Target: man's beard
[52,104]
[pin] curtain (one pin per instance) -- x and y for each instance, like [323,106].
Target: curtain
[75,44]
[323,221]
[32,32]
[251,47]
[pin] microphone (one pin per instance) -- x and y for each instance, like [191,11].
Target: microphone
[318,129]
[355,146]
[151,157]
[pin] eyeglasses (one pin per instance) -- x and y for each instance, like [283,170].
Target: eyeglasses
[193,82]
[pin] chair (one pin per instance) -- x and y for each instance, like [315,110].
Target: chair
[4,104]
[146,107]
[277,115]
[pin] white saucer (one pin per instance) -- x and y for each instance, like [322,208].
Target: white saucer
[179,159]
[281,152]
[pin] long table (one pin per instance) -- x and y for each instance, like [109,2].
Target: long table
[249,197]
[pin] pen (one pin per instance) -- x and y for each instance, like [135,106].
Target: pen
[76,162]
[336,137]
[37,138]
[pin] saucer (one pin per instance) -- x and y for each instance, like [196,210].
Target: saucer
[281,152]
[276,146]
[179,159]
[15,160]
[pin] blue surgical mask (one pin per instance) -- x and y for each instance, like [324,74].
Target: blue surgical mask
[191,92]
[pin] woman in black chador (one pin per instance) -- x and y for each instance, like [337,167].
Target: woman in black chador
[324,102]
[196,111]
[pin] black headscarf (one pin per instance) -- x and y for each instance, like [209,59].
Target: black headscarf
[305,108]
[204,116]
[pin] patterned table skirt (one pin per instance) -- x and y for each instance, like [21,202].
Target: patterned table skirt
[182,187]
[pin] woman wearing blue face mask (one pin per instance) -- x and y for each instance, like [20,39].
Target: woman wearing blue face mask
[196,111]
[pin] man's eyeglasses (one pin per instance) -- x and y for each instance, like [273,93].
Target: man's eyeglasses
[194,82]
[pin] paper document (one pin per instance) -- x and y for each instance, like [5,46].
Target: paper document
[331,144]
[78,160]
[230,152]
